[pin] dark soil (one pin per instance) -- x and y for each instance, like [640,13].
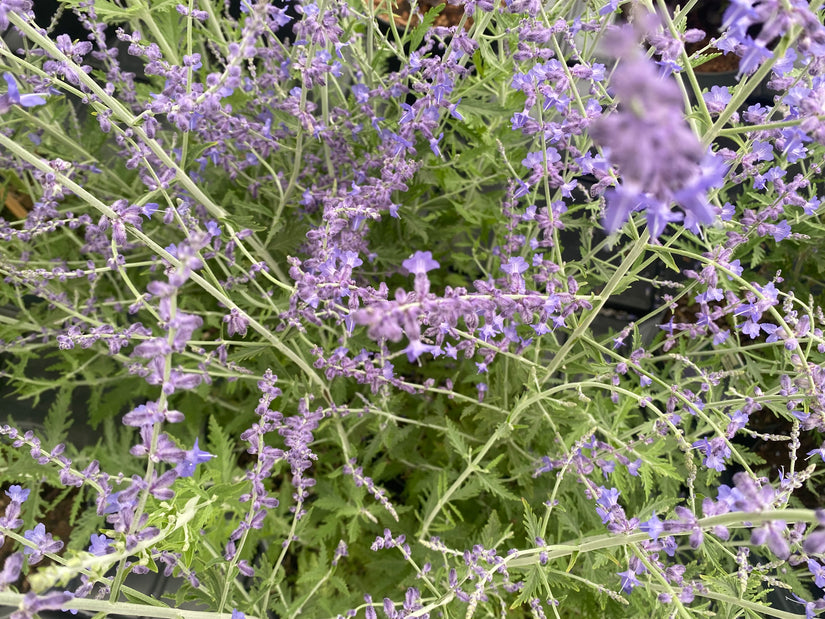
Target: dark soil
[450,15]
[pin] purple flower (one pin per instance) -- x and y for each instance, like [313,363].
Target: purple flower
[34,603]
[11,570]
[44,541]
[607,502]
[811,608]
[620,202]
[192,458]
[716,452]
[143,415]
[18,494]
[100,545]
[772,534]
[813,452]
[818,572]
[659,215]
[515,266]
[754,54]
[13,96]
[653,527]
[717,99]
[629,580]
[420,262]
[416,348]
[651,144]
[236,323]
[814,544]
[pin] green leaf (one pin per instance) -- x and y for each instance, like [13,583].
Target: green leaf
[244,221]
[491,531]
[531,523]
[58,421]
[417,34]
[222,446]
[494,485]
[702,59]
[456,440]
[531,586]
[666,257]
[478,62]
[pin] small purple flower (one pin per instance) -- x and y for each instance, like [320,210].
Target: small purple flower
[620,202]
[18,494]
[814,544]
[716,452]
[717,99]
[13,96]
[812,453]
[515,266]
[653,527]
[818,572]
[420,262]
[34,603]
[236,323]
[11,570]
[44,541]
[607,501]
[149,209]
[609,8]
[629,580]
[772,534]
[192,458]
[416,348]
[143,415]
[100,545]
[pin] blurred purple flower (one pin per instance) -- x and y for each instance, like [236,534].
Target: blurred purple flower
[34,603]
[11,570]
[647,138]
[13,96]
[717,99]
[236,323]
[420,262]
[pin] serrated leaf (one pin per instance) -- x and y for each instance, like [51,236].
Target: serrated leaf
[58,420]
[531,523]
[248,352]
[702,59]
[491,531]
[531,586]
[240,222]
[222,446]
[494,485]
[456,440]
[417,34]
[469,490]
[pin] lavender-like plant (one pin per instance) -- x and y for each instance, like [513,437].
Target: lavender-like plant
[418,238]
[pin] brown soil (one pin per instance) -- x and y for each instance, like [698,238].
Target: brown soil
[724,63]
[449,16]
